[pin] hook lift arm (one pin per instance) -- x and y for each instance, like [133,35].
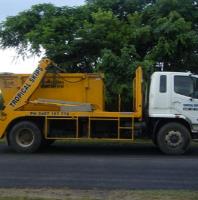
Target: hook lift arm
[30,85]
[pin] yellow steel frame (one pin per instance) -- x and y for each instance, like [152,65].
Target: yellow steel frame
[46,128]
[89,136]
[29,87]
[11,113]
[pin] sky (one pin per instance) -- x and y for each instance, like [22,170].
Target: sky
[9,60]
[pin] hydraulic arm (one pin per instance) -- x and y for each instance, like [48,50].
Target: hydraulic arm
[30,85]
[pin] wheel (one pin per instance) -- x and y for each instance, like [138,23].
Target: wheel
[173,138]
[25,137]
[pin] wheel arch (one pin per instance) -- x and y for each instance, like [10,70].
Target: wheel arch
[39,121]
[160,122]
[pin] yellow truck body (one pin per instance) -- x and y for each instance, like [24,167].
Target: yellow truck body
[45,106]
[84,88]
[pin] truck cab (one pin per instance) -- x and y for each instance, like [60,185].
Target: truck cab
[173,102]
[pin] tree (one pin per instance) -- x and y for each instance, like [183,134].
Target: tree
[174,28]
[175,42]
[120,8]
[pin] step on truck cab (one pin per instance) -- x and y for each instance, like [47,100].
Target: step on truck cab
[44,106]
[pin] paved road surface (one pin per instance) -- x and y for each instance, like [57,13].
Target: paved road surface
[99,166]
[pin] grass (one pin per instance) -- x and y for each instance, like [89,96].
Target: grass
[67,194]
[20,198]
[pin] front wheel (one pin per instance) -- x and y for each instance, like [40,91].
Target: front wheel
[173,138]
[25,137]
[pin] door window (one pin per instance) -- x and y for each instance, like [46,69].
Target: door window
[163,82]
[184,85]
[195,94]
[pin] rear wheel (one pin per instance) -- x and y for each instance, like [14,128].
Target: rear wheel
[173,138]
[25,137]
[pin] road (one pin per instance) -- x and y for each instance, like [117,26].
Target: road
[103,166]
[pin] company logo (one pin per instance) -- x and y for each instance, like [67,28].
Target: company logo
[26,86]
[52,83]
[193,107]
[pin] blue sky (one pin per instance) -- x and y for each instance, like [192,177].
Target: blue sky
[12,7]
[10,61]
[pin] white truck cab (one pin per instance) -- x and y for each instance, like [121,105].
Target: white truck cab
[173,109]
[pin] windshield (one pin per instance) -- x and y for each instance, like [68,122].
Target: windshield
[186,85]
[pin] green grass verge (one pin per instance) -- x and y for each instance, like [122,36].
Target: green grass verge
[67,194]
[21,198]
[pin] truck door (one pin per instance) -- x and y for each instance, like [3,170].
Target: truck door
[185,97]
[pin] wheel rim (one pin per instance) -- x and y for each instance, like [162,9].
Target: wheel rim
[25,138]
[174,138]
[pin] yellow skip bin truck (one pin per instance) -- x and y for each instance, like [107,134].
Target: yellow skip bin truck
[43,107]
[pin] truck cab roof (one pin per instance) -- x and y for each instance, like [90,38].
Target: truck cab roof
[158,73]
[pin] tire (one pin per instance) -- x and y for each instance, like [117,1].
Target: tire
[173,138]
[25,137]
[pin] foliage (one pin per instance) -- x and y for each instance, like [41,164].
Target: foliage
[111,36]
